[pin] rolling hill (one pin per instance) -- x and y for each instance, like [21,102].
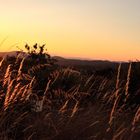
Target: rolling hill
[98,64]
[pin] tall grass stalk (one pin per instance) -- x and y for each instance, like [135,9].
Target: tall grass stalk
[21,67]
[136,120]
[128,81]
[117,97]
[9,92]
[2,61]
[7,77]
[118,80]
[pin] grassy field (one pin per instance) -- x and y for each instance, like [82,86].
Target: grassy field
[41,100]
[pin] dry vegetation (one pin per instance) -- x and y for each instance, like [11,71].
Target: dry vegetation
[40,100]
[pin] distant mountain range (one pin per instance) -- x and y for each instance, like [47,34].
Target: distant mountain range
[85,63]
[74,62]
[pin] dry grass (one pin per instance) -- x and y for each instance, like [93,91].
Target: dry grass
[67,105]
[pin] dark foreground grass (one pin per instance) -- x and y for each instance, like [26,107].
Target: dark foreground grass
[48,102]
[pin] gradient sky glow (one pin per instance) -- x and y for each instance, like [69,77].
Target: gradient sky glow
[95,29]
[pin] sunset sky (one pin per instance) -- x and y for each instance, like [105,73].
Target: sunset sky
[94,29]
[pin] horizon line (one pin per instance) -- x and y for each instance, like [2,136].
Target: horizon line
[78,58]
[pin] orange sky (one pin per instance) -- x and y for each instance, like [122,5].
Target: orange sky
[95,29]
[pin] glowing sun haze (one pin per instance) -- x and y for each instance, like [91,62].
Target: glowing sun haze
[95,29]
